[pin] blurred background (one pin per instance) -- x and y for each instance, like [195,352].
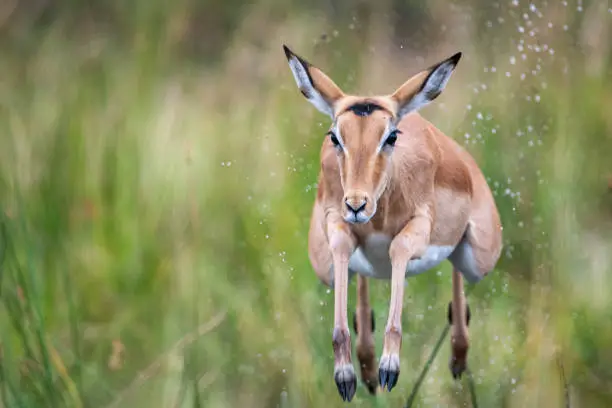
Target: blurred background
[158,167]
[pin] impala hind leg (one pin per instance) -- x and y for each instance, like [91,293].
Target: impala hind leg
[364,326]
[459,318]
[473,259]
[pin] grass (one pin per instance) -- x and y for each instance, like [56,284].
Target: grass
[155,213]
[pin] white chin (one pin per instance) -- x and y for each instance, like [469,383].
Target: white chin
[356,218]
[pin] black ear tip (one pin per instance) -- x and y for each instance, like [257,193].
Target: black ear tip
[288,52]
[455,58]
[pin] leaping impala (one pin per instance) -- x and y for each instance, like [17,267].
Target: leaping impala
[396,197]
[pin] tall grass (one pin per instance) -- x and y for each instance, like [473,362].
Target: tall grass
[155,210]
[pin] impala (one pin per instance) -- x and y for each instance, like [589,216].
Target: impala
[395,198]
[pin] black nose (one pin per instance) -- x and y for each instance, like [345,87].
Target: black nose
[356,207]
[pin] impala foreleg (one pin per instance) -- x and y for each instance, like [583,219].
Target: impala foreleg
[410,243]
[341,247]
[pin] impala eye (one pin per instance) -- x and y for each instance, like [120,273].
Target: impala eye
[392,138]
[334,139]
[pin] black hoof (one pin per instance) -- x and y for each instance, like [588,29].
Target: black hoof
[346,381]
[457,368]
[371,387]
[388,371]
[355,321]
[468,313]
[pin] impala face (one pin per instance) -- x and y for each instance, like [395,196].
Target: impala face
[364,137]
[363,131]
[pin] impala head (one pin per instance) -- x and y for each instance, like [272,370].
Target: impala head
[364,129]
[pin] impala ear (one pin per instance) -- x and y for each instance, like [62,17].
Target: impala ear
[425,86]
[317,87]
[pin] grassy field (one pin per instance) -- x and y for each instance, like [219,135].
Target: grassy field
[155,208]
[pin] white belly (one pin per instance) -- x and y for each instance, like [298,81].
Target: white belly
[372,259]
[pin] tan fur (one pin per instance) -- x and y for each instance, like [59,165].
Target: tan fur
[326,86]
[426,191]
